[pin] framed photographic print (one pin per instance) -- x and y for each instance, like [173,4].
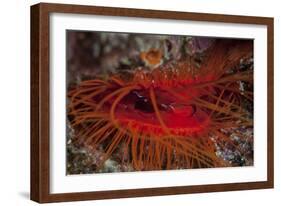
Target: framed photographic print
[131,102]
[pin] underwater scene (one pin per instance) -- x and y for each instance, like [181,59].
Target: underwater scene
[143,102]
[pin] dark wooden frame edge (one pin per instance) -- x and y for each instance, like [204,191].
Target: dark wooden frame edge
[40,191]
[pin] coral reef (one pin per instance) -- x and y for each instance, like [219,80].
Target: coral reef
[150,102]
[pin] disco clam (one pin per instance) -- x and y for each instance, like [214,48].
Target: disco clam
[169,117]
